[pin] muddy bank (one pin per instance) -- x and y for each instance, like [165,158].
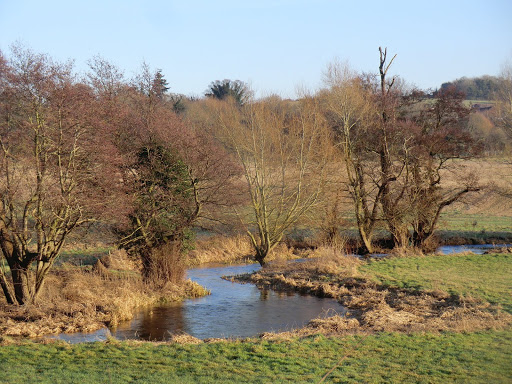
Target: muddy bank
[372,307]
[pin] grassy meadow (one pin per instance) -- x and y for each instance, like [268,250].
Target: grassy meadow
[486,277]
[417,357]
[387,357]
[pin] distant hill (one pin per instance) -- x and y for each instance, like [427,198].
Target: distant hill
[475,88]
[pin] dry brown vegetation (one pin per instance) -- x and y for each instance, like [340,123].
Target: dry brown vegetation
[233,250]
[220,249]
[86,299]
[495,176]
[373,308]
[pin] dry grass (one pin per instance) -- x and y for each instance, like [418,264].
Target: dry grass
[333,260]
[184,338]
[233,250]
[373,308]
[321,275]
[221,249]
[495,176]
[83,300]
[373,311]
[405,252]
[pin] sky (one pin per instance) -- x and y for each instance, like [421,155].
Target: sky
[276,46]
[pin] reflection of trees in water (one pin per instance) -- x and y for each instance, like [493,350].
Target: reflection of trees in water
[264,294]
[160,322]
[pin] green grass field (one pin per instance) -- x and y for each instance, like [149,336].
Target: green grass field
[454,227]
[472,357]
[465,222]
[393,358]
[488,277]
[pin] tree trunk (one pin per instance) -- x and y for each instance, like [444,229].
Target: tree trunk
[21,283]
[41,272]
[261,254]
[422,240]
[19,265]
[365,237]
[6,288]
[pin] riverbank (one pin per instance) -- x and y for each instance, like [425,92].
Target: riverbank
[89,297]
[450,319]
[460,293]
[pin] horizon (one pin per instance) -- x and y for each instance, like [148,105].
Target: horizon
[276,47]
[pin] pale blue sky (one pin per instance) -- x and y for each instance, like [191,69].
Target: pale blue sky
[275,45]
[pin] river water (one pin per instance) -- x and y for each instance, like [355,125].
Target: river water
[232,309]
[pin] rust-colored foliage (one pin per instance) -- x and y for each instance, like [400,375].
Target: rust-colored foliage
[172,172]
[53,176]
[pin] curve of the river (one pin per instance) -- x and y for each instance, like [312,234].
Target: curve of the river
[232,309]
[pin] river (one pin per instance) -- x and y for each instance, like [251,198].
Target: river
[232,309]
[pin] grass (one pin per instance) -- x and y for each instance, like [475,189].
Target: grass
[421,357]
[466,222]
[488,277]
[82,257]
[456,227]
[388,357]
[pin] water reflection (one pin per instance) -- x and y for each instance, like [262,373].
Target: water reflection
[232,310]
[156,323]
[477,249]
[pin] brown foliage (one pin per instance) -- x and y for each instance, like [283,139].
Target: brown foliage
[284,153]
[174,174]
[53,176]
[398,146]
[78,300]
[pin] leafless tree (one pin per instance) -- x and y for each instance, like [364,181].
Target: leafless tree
[173,173]
[52,175]
[284,155]
[350,110]
[397,149]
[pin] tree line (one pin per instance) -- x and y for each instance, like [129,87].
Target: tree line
[97,147]
[476,88]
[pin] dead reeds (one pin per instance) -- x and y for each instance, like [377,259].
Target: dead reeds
[85,299]
[372,307]
[233,250]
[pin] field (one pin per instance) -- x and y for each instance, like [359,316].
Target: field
[487,277]
[367,356]
[418,358]
[460,332]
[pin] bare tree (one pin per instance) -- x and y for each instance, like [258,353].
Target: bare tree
[350,109]
[439,140]
[364,112]
[284,155]
[397,148]
[173,174]
[503,99]
[51,179]
[503,114]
